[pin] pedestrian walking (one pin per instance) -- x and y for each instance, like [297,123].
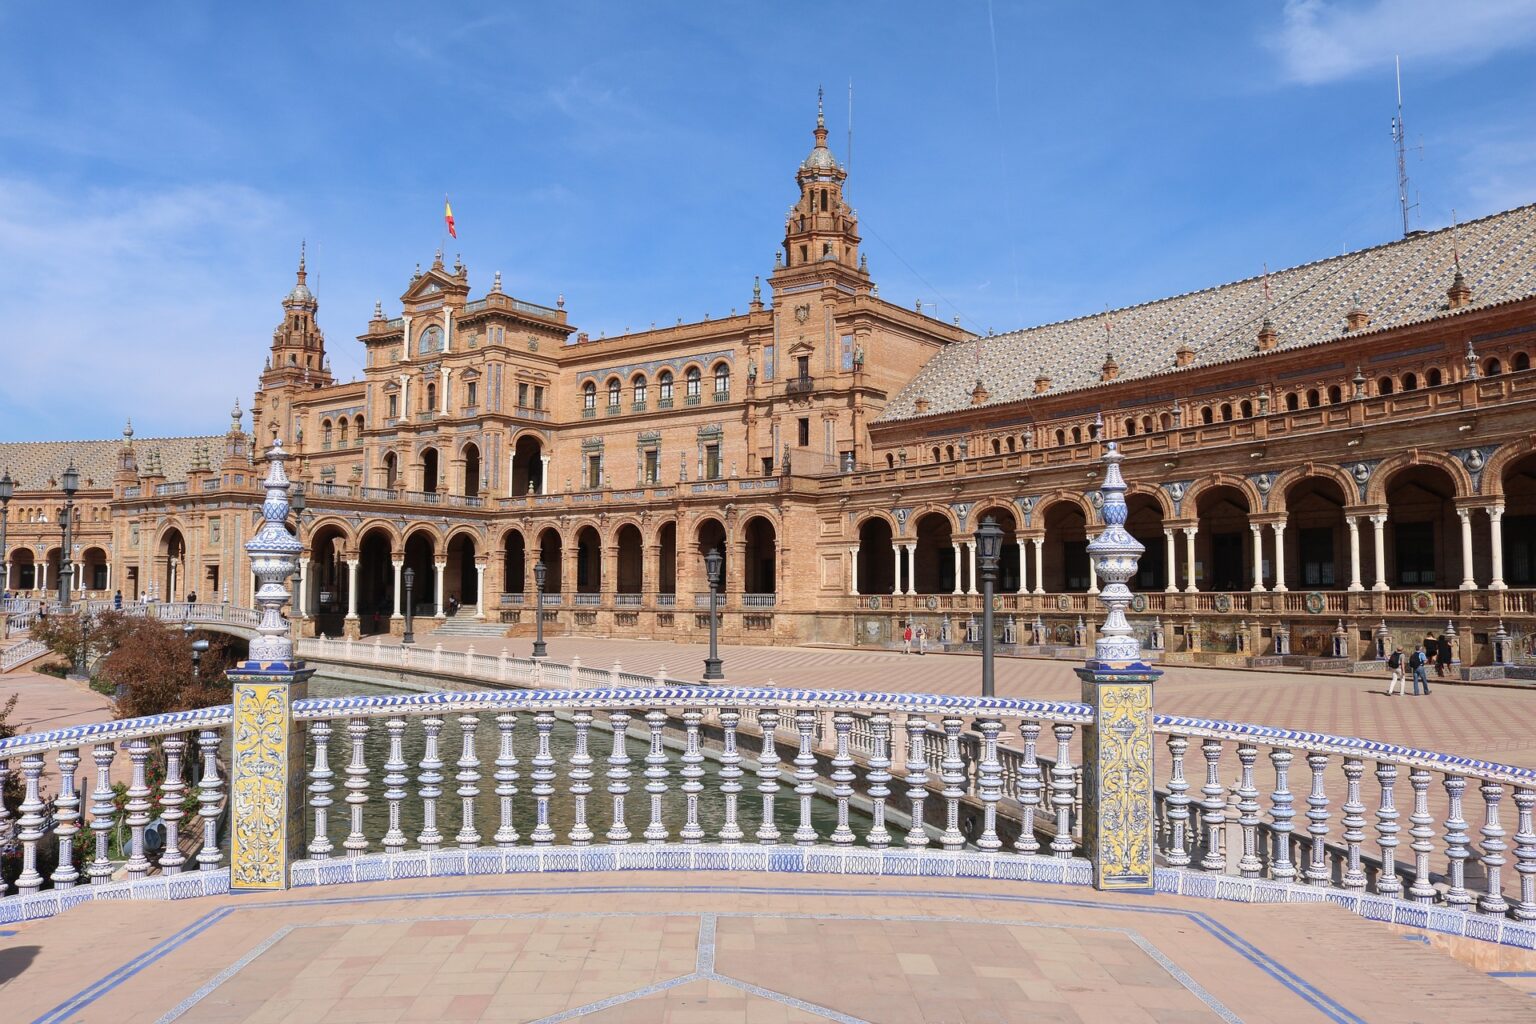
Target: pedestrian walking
[191,597]
[117,600]
[922,639]
[1395,663]
[1443,657]
[1417,664]
[906,639]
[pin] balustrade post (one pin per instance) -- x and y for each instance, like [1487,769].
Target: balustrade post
[1248,863]
[1063,791]
[468,778]
[1281,813]
[989,785]
[320,790]
[842,777]
[1387,883]
[1525,855]
[543,776]
[1456,845]
[1354,823]
[102,812]
[618,776]
[730,775]
[581,779]
[692,772]
[356,843]
[1317,871]
[1420,890]
[506,778]
[917,779]
[768,775]
[656,776]
[67,816]
[30,822]
[210,797]
[805,776]
[1031,789]
[394,784]
[952,773]
[429,785]
[1213,809]
[137,807]
[879,779]
[1491,900]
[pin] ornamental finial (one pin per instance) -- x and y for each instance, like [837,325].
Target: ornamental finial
[1115,553]
[274,557]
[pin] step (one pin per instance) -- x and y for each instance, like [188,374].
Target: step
[469,627]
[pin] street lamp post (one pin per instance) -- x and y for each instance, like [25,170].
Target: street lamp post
[712,564]
[989,542]
[70,483]
[540,574]
[409,577]
[7,488]
[297,502]
[199,646]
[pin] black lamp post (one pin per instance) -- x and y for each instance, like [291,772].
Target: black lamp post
[69,483]
[409,576]
[540,574]
[7,488]
[298,503]
[989,543]
[712,563]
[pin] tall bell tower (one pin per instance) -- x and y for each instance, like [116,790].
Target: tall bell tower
[298,344]
[821,233]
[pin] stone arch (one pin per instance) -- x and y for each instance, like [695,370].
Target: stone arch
[396,541]
[933,530]
[1155,493]
[549,548]
[709,534]
[760,554]
[629,551]
[336,523]
[875,568]
[1376,491]
[1006,515]
[1499,462]
[1043,506]
[469,455]
[377,549]
[513,545]
[1290,477]
[92,569]
[527,463]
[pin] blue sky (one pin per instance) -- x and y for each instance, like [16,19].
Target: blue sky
[159,163]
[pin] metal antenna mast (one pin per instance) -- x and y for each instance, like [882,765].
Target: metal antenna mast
[1400,142]
[850,125]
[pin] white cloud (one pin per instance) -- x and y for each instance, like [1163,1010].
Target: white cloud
[131,302]
[1325,40]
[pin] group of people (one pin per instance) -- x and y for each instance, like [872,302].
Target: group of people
[1433,651]
[909,634]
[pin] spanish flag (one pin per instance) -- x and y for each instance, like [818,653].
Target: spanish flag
[448,217]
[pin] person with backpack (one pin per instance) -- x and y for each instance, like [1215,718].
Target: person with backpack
[1416,664]
[1395,663]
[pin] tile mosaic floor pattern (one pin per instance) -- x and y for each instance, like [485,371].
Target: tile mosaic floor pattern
[673,947]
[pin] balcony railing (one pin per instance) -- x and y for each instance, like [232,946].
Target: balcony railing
[799,385]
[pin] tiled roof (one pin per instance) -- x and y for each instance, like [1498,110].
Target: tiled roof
[1400,283]
[36,465]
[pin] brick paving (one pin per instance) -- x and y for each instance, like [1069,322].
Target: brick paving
[723,948]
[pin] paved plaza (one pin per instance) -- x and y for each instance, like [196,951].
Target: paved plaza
[680,948]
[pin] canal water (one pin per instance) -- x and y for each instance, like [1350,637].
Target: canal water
[637,803]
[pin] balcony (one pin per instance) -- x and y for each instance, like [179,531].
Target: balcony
[799,386]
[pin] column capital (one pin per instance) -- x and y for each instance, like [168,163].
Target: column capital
[398,563]
[440,563]
[1495,511]
[1379,518]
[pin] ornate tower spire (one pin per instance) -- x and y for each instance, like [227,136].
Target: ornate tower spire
[821,230]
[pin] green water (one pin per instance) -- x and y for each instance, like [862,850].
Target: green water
[487,805]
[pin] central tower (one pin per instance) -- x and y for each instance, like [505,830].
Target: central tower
[821,233]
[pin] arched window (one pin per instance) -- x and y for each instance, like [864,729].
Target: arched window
[1061,437]
[614,387]
[341,432]
[1335,395]
[1292,401]
[1246,408]
[1077,435]
[589,397]
[1226,411]
[431,397]
[1165,421]
[1130,428]
[325,433]
[638,385]
[1012,445]
[890,461]
[359,424]
[722,378]
[1432,378]
[1522,361]
[997,447]
[694,379]
[935,453]
[1314,398]
[1492,368]
[1206,416]
[1410,382]
[664,385]
[1384,386]
[949,452]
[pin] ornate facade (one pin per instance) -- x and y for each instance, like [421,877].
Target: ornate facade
[1320,460]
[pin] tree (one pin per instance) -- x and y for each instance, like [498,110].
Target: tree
[94,634]
[151,667]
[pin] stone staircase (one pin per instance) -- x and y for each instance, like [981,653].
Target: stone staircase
[465,625]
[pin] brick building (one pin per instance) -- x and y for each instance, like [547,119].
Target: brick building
[1315,455]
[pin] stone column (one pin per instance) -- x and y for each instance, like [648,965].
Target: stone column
[956,548]
[970,552]
[1093,578]
[352,589]
[1039,565]
[543,474]
[442,395]
[301,596]
[437,588]
[1353,523]
[853,571]
[1189,554]
[479,590]
[1379,525]
[911,567]
[1495,536]
[1023,565]
[1468,578]
[1170,562]
[896,559]
[1280,586]
[398,565]
[1257,532]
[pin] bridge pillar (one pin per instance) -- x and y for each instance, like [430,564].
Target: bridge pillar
[1118,822]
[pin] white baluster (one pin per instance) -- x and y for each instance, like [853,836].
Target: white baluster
[172,797]
[320,789]
[1031,789]
[1387,883]
[429,785]
[1354,823]
[730,775]
[768,775]
[1248,864]
[30,824]
[356,843]
[67,818]
[468,778]
[692,773]
[990,785]
[506,778]
[805,776]
[1213,809]
[138,808]
[917,779]
[1281,815]
[1178,804]
[1525,855]
[1063,790]
[210,799]
[618,776]
[952,772]
[879,779]
[103,812]
[656,776]
[842,777]
[1491,900]
[1456,845]
[1420,890]
[581,779]
[543,776]
[1318,871]
[395,781]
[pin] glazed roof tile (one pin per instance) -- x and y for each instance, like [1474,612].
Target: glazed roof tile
[37,465]
[1400,283]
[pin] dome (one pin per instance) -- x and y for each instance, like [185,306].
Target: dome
[821,159]
[300,293]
